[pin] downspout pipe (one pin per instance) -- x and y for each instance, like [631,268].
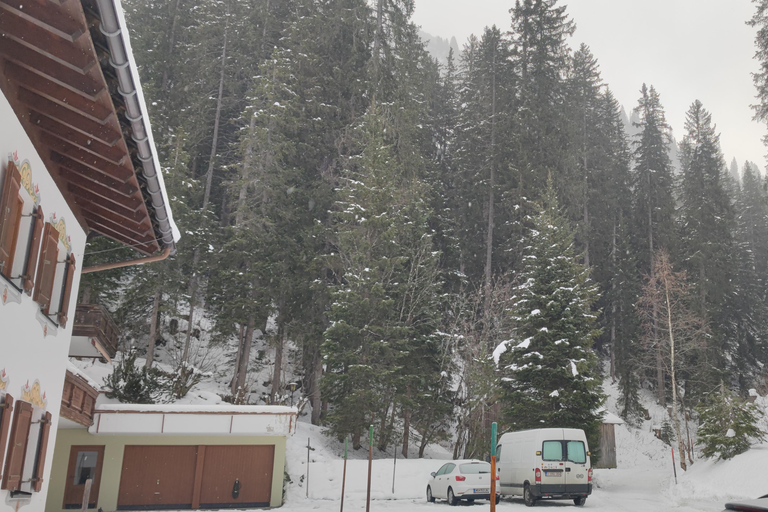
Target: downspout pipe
[129,263]
[130,89]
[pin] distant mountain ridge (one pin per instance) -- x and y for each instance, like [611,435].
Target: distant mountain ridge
[439,47]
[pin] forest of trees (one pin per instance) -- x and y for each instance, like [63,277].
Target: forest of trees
[443,242]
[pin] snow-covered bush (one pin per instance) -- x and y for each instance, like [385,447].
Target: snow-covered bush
[134,384]
[728,425]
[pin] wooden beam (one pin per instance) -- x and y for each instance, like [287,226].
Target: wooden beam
[148,249]
[120,171]
[103,132]
[77,80]
[95,110]
[66,134]
[45,41]
[146,237]
[143,225]
[85,195]
[99,183]
[40,12]
[131,203]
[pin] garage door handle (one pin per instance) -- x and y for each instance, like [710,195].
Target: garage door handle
[236,489]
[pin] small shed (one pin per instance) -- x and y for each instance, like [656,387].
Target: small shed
[608,440]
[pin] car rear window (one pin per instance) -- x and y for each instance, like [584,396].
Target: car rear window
[476,468]
[572,451]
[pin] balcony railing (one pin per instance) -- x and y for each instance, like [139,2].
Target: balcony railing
[94,324]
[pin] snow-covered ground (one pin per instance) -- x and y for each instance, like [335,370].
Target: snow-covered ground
[644,480]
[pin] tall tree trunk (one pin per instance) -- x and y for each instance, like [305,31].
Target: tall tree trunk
[672,375]
[377,43]
[276,374]
[153,328]
[492,177]
[193,282]
[613,305]
[171,46]
[245,357]
[314,388]
[406,422]
[233,382]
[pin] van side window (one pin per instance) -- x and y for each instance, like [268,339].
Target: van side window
[498,453]
[576,452]
[552,450]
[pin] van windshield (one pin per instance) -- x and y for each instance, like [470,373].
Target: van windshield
[572,451]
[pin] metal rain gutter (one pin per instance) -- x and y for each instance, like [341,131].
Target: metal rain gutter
[137,116]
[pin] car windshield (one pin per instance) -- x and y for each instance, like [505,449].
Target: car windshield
[475,468]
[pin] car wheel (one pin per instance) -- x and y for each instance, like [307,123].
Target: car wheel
[430,498]
[581,500]
[452,500]
[528,497]
[498,498]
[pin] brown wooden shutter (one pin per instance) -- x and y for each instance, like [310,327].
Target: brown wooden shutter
[67,291]
[34,250]
[5,423]
[42,450]
[17,447]
[46,268]
[10,218]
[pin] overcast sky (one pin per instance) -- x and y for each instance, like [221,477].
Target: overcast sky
[686,49]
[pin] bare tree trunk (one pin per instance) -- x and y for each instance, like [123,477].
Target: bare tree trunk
[233,382]
[153,328]
[279,346]
[613,307]
[406,423]
[491,180]
[245,357]
[314,394]
[675,419]
[171,47]
[377,42]
[193,283]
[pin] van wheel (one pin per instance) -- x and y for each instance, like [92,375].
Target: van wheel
[528,497]
[498,498]
[452,500]
[430,498]
[580,501]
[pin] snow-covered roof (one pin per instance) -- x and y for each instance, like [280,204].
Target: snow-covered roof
[172,419]
[74,370]
[610,418]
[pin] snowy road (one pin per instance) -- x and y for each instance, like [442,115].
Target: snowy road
[619,490]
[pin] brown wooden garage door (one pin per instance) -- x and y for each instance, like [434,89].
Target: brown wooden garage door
[249,468]
[157,477]
[191,477]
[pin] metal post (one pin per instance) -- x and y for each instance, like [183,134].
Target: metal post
[370,468]
[344,475]
[308,448]
[493,466]
[394,469]
[674,468]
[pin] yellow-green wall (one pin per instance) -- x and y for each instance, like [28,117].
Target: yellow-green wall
[113,461]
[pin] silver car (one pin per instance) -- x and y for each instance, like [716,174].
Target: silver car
[461,480]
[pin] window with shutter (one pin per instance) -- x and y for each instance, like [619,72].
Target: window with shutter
[33,250]
[42,451]
[66,291]
[17,447]
[10,217]
[46,268]
[6,410]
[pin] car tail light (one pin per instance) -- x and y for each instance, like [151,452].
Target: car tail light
[460,478]
[538,476]
[497,477]
[589,476]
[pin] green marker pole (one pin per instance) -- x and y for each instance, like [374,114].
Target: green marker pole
[493,466]
[370,468]
[344,475]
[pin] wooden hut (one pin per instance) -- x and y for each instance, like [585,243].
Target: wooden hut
[608,440]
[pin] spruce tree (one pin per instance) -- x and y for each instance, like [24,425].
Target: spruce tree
[727,425]
[549,373]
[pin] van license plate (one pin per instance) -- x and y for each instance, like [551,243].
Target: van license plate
[481,490]
[553,473]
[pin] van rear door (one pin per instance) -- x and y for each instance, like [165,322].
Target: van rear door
[553,467]
[576,467]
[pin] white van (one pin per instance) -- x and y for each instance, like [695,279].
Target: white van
[546,463]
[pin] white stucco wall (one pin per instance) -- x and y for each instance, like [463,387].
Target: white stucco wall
[27,354]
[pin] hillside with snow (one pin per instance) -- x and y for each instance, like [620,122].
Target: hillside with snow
[644,479]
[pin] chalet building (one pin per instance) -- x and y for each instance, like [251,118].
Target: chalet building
[77,159]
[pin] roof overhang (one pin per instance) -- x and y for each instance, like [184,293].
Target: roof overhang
[67,70]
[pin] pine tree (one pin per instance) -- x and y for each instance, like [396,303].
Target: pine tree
[549,374]
[727,425]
